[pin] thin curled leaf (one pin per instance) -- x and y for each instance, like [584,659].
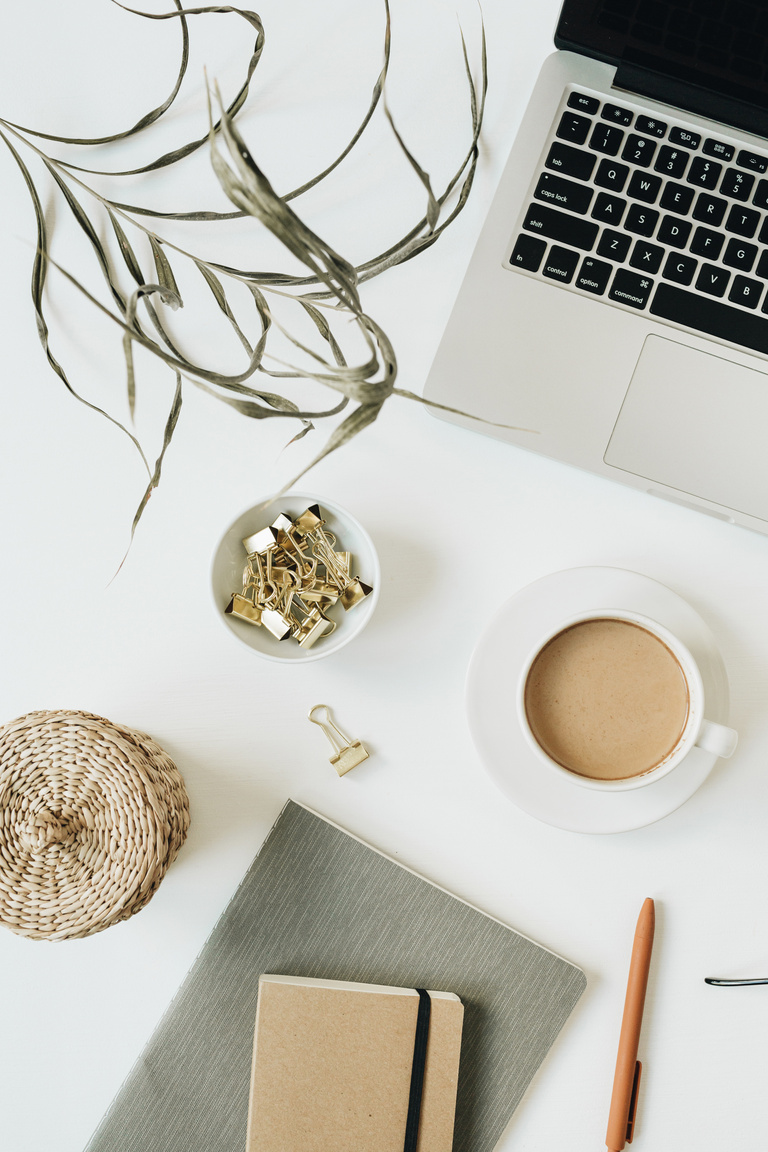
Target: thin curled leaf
[132,263]
[361,418]
[144,121]
[232,383]
[220,297]
[258,412]
[185,150]
[143,291]
[247,187]
[128,254]
[323,328]
[170,158]
[90,231]
[433,208]
[459,411]
[165,274]
[39,271]
[376,95]
[154,480]
[331,277]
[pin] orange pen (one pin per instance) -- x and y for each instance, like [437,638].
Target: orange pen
[626,1078]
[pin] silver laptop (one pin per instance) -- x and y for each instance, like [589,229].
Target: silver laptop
[615,309]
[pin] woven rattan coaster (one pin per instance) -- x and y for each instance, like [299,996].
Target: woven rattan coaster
[91,816]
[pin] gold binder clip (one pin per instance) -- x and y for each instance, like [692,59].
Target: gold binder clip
[311,518]
[354,593]
[259,542]
[275,622]
[348,753]
[243,609]
[310,623]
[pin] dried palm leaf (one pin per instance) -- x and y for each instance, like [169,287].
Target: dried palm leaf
[327,294]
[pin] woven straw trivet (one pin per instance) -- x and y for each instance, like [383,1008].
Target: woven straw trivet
[91,816]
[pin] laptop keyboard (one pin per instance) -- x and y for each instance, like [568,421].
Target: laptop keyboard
[651,216]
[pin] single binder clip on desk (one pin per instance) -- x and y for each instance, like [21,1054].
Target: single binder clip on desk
[347,753]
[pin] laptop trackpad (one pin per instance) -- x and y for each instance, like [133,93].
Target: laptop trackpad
[696,422]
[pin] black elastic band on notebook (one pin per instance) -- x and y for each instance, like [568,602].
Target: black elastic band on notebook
[417,1071]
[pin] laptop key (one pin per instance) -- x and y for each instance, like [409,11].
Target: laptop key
[614,246]
[707,243]
[644,187]
[712,280]
[746,292]
[742,221]
[555,190]
[608,209]
[606,138]
[570,161]
[638,150]
[573,128]
[740,255]
[711,317]
[719,150]
[560,264]
[671,162]
[677,198]
[617,115]
[704,173]
[593,276]
[762,266]
[556,225]
[583,103]
[650,127]
[528,253]
[630,288]
[642,221]
[760,198]
[752,161]
[709,209]
[679,268]
[611,175]
[647,257]
[684,137]
[737,185]
[673,231]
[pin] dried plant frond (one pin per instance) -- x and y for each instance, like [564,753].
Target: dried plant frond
[326,295]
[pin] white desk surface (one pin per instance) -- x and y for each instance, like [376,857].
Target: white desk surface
[146,649]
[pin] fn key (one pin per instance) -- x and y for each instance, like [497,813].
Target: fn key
[528,252]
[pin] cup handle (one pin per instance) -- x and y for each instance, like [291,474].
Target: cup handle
[717,739]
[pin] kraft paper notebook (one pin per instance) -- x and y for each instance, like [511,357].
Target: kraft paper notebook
[340,1066]
[318,902]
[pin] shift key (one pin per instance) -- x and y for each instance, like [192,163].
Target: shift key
[558,226]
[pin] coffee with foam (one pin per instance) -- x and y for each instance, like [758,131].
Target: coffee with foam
[607,699]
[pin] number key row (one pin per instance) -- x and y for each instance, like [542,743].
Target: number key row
[671,161]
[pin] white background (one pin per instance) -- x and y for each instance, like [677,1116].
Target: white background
[461,523]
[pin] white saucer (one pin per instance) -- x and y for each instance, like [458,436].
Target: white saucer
[491,690]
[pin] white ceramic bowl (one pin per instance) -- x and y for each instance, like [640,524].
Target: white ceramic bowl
[229,561]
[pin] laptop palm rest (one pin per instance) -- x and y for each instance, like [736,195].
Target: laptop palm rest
[697,423]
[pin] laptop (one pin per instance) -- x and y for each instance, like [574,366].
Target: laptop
[615,309]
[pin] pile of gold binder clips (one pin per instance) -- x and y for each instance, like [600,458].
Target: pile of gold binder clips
[293,575]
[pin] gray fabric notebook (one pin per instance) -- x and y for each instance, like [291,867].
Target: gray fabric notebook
[319,902]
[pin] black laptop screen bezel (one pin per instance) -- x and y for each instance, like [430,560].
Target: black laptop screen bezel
[656,70]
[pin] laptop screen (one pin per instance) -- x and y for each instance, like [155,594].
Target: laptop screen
[720,46]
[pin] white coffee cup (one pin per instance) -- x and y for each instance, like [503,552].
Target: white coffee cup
[613,657]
